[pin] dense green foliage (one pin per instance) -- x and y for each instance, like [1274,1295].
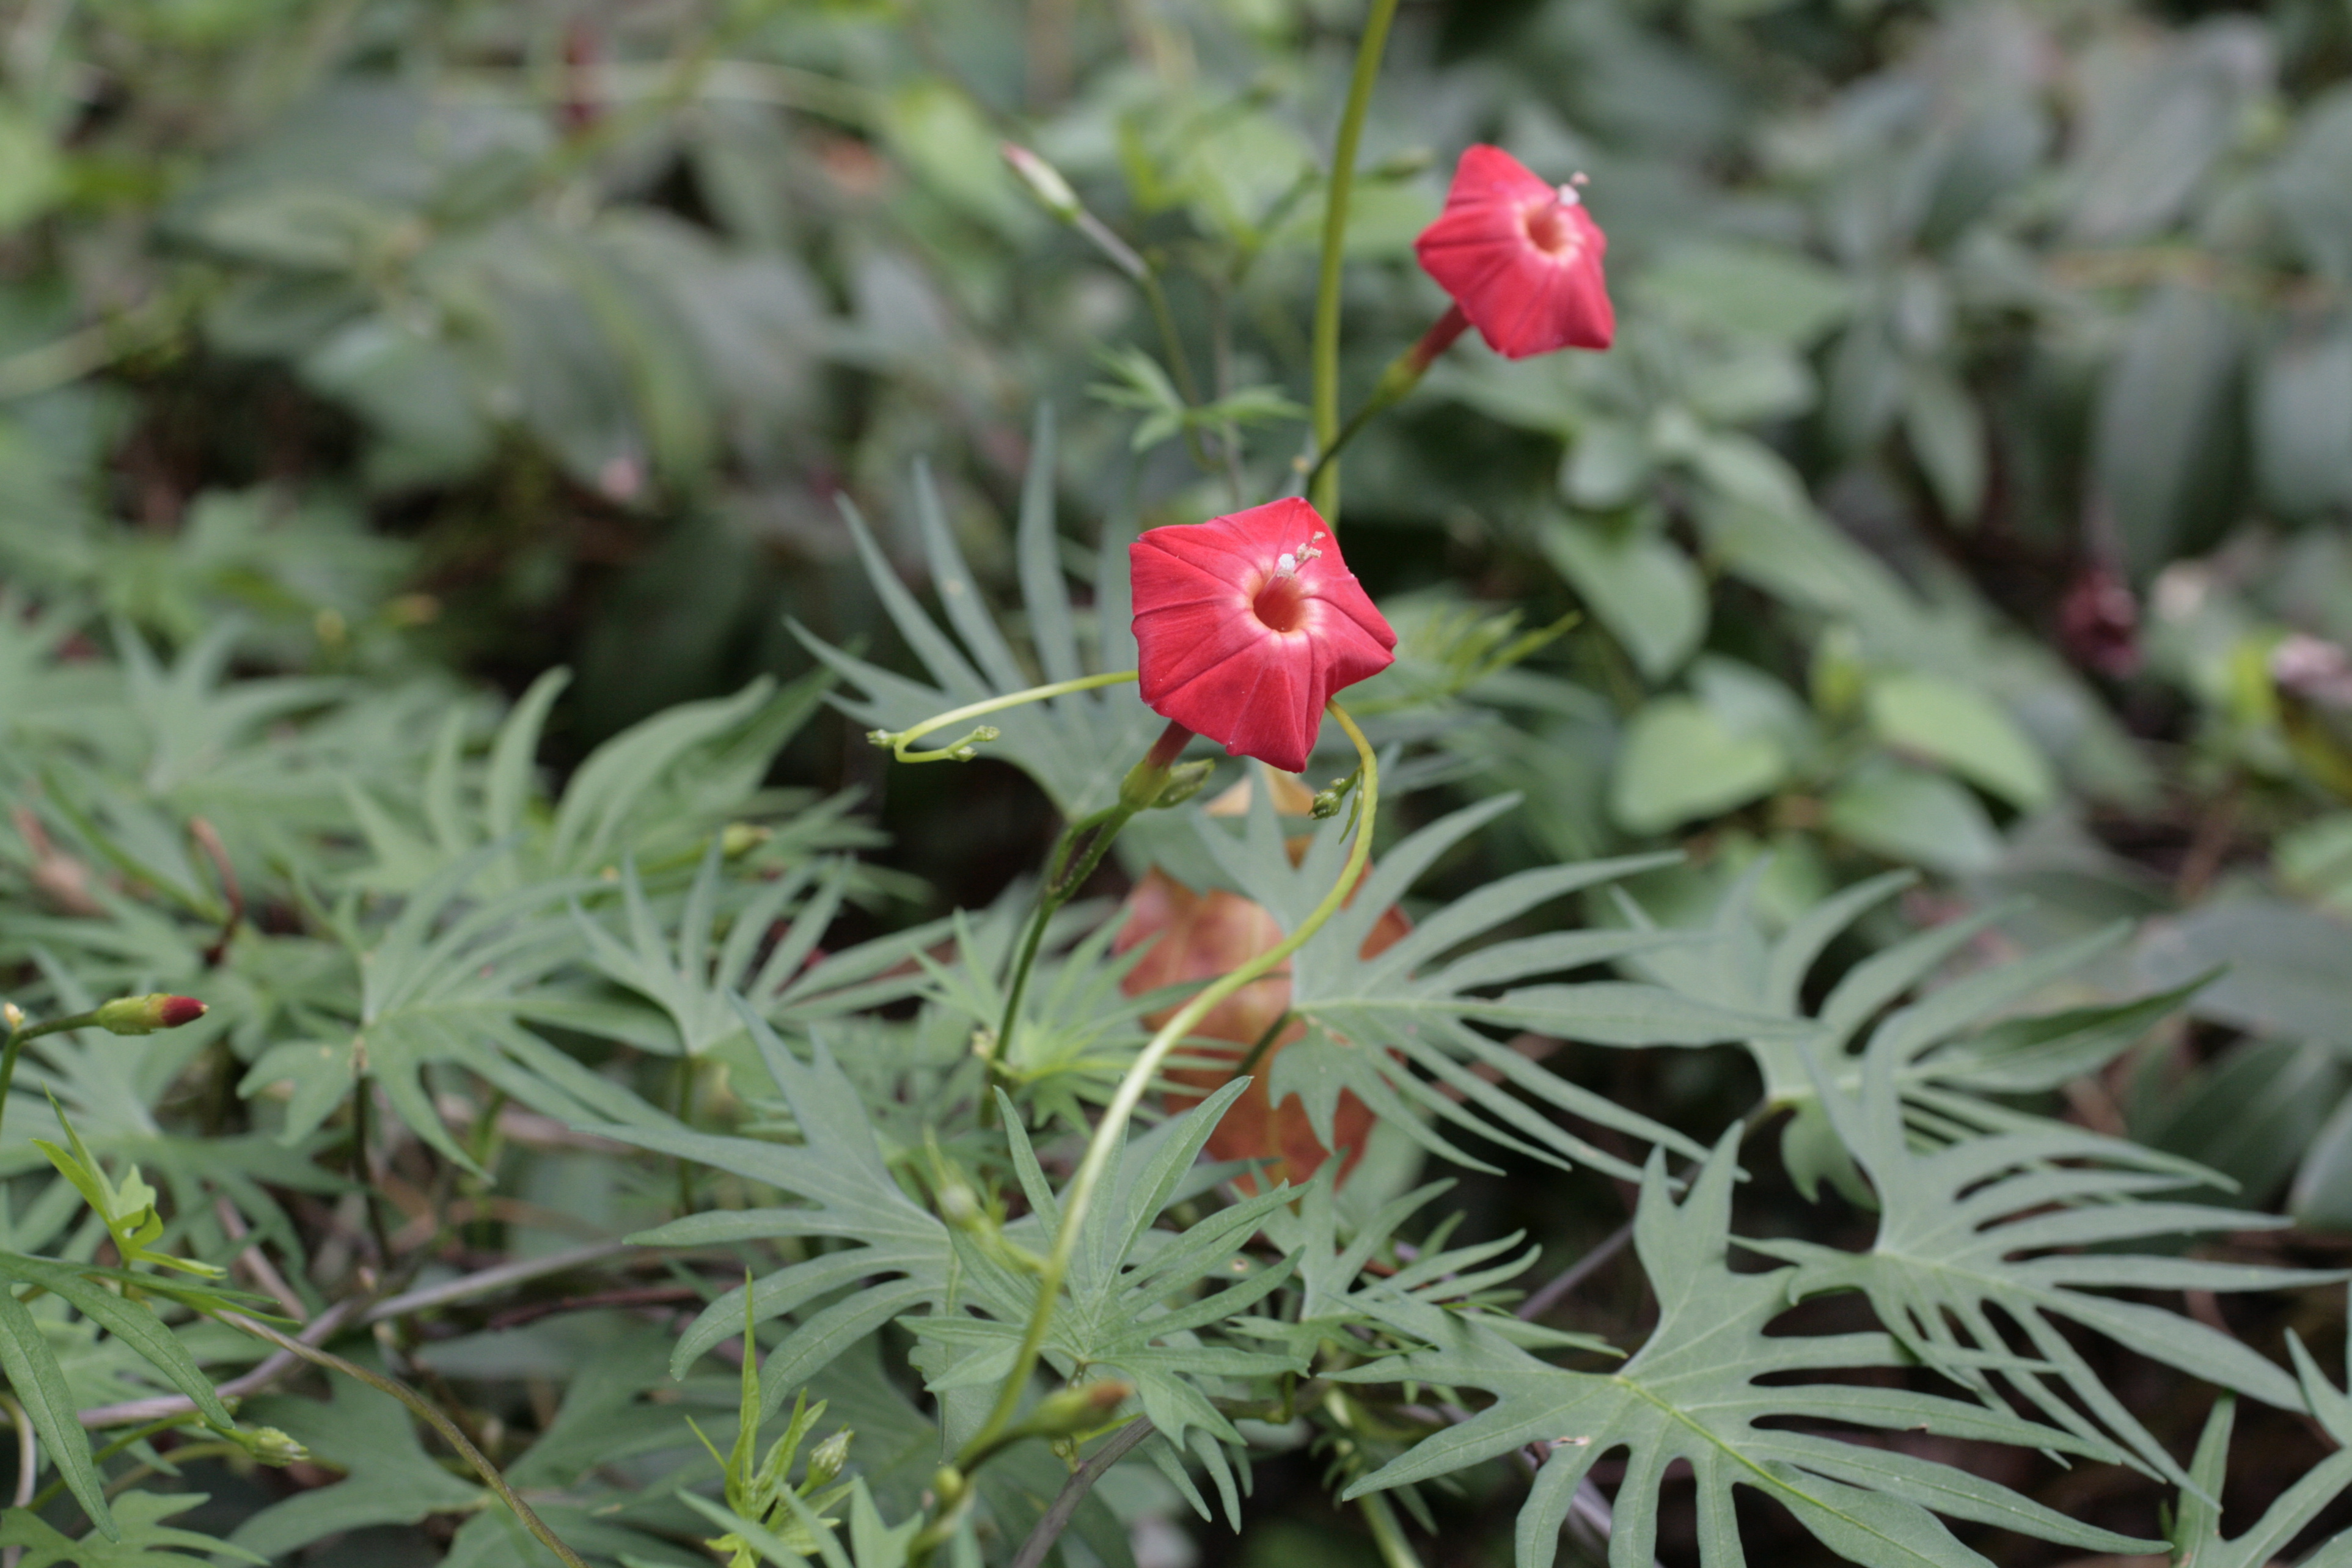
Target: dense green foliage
[1868,769]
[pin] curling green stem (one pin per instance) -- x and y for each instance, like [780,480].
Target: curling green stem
[899,741]
[1079,1193]
[428,1412]
[1326,349]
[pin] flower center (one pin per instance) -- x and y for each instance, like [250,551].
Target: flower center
[1548,226]
[1281,604]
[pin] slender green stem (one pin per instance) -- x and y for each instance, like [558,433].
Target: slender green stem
[1330,455]
[8,1056]
[19,1032]
[1387,1533]
[1257,1053]
[1326,409]
[369,1197]
[425,1411]
[1171,343]
[1080,850]
[687,1066]
[900,740]
[1079,1193]
[1062,880]
[1402,376]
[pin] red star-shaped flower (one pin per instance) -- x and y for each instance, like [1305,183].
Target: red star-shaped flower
[1521,258]
[1244,626]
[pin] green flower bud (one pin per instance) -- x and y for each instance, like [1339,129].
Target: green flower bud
[1081,1408]
[1329,799]
[827,1460]
[1184,781]
[1044,183]
[960,1206]
[270,1445]
[737,839]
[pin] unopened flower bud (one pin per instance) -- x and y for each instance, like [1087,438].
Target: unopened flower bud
[1329,799]
[826,1460]
[1044,183]
[12,1015]
[270,1445]
[960,1206]
[145,1015]
[737,839]
[1078,1408]
[886,739]
[1184,781]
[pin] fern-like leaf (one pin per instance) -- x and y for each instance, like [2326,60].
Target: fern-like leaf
[1988,1223]
[1693,1393]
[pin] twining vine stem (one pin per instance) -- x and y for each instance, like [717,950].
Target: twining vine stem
[1325,347]
[1079,1195]
[897,741]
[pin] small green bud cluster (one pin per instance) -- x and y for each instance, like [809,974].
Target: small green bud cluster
[1331,796]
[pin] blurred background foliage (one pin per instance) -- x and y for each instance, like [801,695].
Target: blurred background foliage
[1969,489]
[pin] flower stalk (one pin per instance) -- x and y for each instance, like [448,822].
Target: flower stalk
[1078,1196]
[1402,374]
[1325,406]
[122,1015]
[1156,781]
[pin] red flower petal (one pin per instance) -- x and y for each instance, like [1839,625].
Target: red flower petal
[1246,625]
[1522,258]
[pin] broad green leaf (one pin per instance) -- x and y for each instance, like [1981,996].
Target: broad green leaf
[1780,296]
[1960,728]
[2301,420]
[1681,762]
[1637,584]
[2281,966]
[2165,425]
[1906,813]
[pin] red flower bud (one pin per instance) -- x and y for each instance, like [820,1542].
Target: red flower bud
[145,1015]
[1521,258]
[1245,626]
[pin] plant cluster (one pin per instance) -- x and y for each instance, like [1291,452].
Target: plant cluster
[1816,472]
